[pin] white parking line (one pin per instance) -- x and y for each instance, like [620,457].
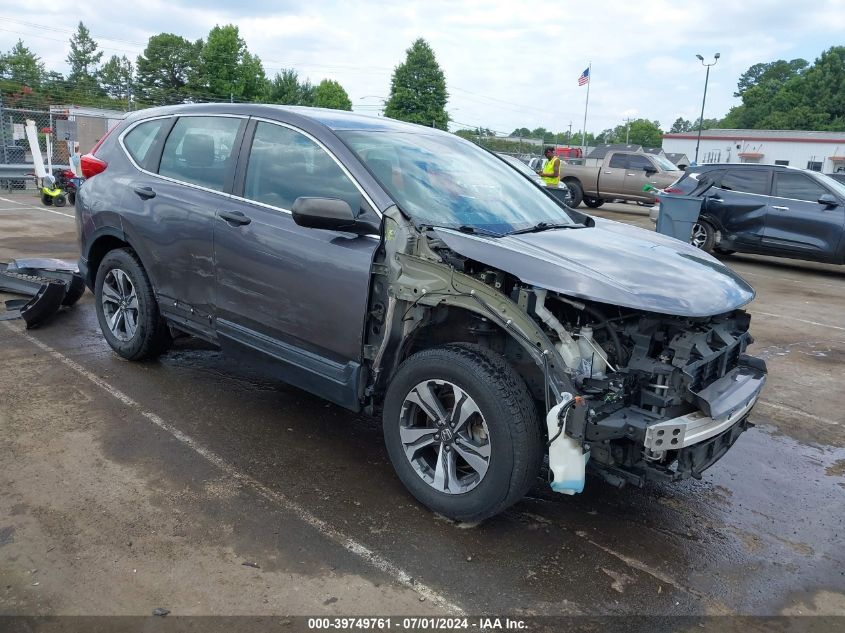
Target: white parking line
[790,318]
[795,412]
[22,206]
[333,534]
[803,282]
[12,201]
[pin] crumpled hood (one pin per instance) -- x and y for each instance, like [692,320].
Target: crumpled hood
[613,263]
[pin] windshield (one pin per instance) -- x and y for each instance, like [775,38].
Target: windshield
[443,180]
[830,183]
[664,163]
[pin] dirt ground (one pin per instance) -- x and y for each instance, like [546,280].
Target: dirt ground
[201,486]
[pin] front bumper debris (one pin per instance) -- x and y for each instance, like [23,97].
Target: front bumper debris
[51,284]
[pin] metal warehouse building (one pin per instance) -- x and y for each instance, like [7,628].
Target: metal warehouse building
[819,151]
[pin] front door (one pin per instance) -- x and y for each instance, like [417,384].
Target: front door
[640,172]
[796,223]
[297,294]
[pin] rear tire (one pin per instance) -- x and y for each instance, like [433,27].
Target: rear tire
[576,192]
[483,412]
[593,203]
[127,308]
[703,236]
[60,200]
[46,200]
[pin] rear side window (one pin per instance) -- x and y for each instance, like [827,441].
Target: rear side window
[798,187]
[618,161]
[285,165]
[140,139]
[199,150]
[746,181]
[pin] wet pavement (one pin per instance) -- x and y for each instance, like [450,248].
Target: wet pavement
[128,486]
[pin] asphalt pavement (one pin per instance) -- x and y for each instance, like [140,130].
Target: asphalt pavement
[199,485]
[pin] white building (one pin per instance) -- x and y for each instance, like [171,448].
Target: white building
[819,151]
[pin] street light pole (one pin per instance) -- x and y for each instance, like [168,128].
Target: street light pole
[703,99]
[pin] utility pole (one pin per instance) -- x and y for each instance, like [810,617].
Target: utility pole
[569,135]
[627,125]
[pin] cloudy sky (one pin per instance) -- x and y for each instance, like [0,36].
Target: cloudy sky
[507,64]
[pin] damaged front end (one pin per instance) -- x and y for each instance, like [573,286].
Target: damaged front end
[631,385]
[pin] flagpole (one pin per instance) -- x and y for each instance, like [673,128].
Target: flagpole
[586,105]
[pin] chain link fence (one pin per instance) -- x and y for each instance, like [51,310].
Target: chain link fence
[68,129]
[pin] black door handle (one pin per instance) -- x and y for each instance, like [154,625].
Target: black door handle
[145,192]
[235,218]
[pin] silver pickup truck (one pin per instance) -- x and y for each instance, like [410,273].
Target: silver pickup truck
[621,175]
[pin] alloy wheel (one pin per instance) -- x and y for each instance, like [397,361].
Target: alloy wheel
[120,305]
[699,235]
[444,436]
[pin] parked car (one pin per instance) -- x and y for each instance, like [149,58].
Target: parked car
[767,209]
[391,267]
[563,193]
[621,175]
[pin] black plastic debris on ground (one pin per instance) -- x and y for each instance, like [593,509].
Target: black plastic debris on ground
[50,284]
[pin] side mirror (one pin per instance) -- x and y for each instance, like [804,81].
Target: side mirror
[330,214]
[649,170]
[828,200]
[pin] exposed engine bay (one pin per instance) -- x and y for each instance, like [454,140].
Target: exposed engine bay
[641,395]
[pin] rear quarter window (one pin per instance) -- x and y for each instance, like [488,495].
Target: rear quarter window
[140,139]
[746,181]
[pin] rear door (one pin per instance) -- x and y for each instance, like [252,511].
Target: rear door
[797,224]
[739,202]
[299,295]
[186,170]
[612,178]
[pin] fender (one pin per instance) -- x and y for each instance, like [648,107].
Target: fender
[416,279]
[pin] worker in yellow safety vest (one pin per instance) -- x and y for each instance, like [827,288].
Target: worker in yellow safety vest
[551,170]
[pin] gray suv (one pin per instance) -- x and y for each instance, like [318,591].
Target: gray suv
[399,269]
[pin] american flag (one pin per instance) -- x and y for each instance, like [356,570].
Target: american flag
[585,77]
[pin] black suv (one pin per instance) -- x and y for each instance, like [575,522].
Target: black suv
[396,268]
[767,209]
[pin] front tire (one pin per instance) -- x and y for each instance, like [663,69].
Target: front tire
[462,431]
[127,308]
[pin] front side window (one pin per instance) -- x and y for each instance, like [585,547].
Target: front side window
[442,180]
[746,181]
[140,139]
[285,165]
[798,187]
[639,163]
[199,150]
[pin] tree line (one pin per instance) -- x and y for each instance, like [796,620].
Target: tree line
[778,95]
[170,70]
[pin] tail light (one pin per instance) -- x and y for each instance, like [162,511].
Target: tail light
[91,165]
[674,190]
